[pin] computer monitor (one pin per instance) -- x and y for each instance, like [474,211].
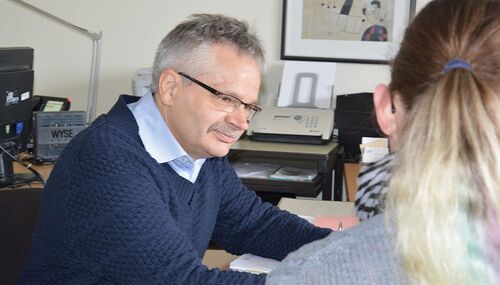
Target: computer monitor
[16,89]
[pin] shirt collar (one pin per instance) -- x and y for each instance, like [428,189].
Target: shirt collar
[157,138]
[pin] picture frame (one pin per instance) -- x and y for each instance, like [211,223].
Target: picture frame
[356,31]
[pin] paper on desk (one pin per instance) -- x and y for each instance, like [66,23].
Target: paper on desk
[333,222]
[294,174]
[255,170]
[253,264]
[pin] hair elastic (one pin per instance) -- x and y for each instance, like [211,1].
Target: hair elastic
[457,63]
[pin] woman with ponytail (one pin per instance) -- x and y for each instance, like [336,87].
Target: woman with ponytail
[440,220]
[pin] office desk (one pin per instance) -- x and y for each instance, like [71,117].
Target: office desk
[218,258]
[221,259]
[44,169]
[320,157]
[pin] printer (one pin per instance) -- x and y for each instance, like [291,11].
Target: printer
[292,125]
[141,81]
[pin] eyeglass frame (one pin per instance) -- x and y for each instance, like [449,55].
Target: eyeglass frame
[218,93]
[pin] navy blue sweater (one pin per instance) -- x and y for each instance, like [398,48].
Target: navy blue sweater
[112,214]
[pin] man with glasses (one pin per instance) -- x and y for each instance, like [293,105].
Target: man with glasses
[137,196]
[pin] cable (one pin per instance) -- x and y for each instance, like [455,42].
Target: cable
[27,166]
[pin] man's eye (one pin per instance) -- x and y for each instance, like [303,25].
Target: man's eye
[226,99]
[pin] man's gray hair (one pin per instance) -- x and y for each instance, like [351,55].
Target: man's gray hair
[187,47]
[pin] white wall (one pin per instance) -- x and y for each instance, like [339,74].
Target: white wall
[131,31]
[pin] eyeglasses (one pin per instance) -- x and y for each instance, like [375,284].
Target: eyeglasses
[228,103]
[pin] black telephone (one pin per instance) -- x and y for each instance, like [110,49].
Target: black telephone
[42,104]
[50,104]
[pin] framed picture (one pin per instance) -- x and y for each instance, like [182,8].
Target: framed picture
[363,31]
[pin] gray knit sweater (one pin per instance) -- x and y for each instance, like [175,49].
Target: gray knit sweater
[361,255]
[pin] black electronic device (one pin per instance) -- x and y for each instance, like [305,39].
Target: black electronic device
[50,104]
[16,89]
[42,103]
[355,119]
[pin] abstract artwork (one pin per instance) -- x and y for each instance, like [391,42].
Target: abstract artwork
[344,30]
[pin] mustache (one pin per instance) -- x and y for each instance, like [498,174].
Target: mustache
[226,129]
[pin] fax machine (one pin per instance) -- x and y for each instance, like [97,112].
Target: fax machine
[293,125]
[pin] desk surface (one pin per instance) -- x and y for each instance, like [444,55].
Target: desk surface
[218,258]
[44,170]
[221,259]
[308,207]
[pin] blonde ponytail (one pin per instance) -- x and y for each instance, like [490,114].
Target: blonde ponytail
[444,196]
[446,170]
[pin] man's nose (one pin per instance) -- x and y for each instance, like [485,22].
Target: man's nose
[239,117]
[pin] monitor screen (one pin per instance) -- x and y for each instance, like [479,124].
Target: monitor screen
[53,106]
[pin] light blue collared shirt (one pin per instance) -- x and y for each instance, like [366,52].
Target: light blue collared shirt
[159,141]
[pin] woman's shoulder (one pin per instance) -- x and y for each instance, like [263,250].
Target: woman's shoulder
[337,243]
[363,254]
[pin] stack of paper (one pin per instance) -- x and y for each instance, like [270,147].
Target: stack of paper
[253,264]
[373,149]
[294,174]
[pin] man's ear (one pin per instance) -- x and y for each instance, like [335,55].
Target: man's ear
[384,109]
[168,86]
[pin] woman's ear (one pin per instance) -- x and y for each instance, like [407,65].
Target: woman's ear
[385,110]
[168,86]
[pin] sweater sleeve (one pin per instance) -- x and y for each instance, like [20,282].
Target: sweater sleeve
[247,225]
[360,255]
[112,224]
